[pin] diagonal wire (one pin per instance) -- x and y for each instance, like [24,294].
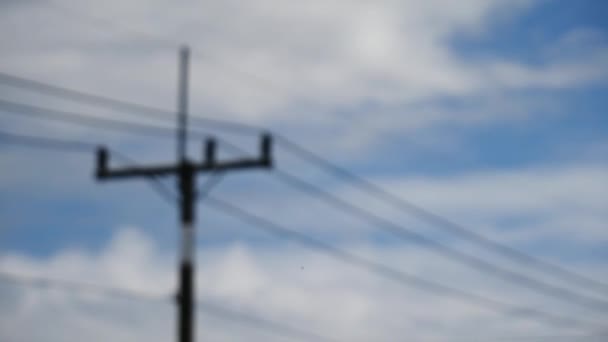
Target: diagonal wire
[65,145]
[557,292]
[133,109]
[98,122]
[443,223]
[443,250]
[402,232]
[46,143]
[207,306]
[378,269]
[163,190]
[214,180]
[477,263]
[171,198]
[507,251]
[11,107]
[269,325]
[400,277]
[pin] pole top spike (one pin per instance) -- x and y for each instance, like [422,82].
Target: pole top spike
[266,149]
[102,162]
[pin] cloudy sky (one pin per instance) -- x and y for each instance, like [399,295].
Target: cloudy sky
[487,112]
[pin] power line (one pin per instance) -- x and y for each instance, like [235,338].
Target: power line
[57,91]
[443,223]
[384,271]
[143,33]
[63,145]
[526,258]
[443,250]
[351,259]
[68,285]
[207,306]
[10,107]
[90,121]
[377,221]
[210,307]
[79,96]
[131,108]
[46,143]
[438,221]
[213,181]
[269,325]
[474,262]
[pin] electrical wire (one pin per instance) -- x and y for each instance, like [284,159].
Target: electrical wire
[171,198]
[384,271]
[443,250]
[443,223]
[375,268]
[452,254]
[131,108]
[436,220]
[516,278]
[214,180]
[97,122]
[206,306]
[503,249]
[46,143]
[64,145]
[16,108]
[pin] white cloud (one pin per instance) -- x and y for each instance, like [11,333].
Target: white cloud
[321,55]
[284,284]
[312,68]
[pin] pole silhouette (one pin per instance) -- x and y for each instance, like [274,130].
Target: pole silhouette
[186,171]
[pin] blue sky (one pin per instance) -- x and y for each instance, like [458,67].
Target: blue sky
[490,113]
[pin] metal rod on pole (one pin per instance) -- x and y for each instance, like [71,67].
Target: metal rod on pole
[182,103]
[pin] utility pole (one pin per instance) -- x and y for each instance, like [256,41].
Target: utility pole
[186,172]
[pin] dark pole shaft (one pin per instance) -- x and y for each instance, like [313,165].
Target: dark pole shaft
[182,103]
[187,272]
[186,187]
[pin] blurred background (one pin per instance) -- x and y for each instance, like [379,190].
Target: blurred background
[440,169]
